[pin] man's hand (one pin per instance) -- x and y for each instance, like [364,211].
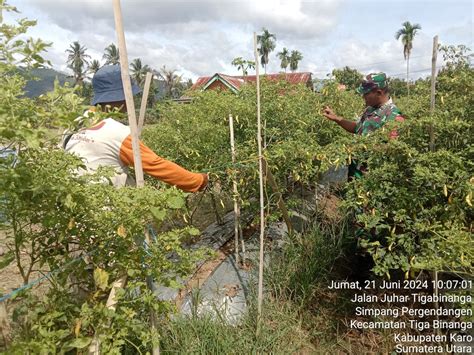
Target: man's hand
[329,114]
[204,182]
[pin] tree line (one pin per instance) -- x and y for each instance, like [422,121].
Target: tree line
[82,66]
[267,44]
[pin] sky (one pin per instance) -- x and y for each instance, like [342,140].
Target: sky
[200,38]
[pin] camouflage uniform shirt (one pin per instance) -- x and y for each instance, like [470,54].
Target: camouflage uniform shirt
[374,118]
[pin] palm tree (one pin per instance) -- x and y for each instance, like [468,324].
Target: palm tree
[243,65]
[172,81]
[138,71]
[295,57]
[267,45]
[111,55]
[407,32]
[76,61]
[284,56]
[94,66]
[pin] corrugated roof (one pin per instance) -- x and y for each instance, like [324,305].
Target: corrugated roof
[234,80]
[293,78]
[237,81]
[200,82]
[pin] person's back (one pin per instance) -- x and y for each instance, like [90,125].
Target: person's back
[100,145]
[108,143]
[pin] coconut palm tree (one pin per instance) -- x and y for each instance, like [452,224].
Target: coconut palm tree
[267,45]
[172,81]
[94,66]
[284,56]
[76,61]
[295,58]
[111,55]
[138,71]
[407,33]
[243,65]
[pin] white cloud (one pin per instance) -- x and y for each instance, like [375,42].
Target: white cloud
[202,37]
[289,17]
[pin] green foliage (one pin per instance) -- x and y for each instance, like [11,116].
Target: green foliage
[300,143]
[398,87]
[76,226]
[267,44]
[295,58]
[243,64]
[415,203]
[348,76]
[197,135]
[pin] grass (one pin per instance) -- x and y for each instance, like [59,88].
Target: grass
[300,315]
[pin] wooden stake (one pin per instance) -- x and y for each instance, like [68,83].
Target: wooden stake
[433,88]
[127,88]
[153,318]
[281,204]
[260,174]
[235,192]
[5,328]
[241,234]
[141,120]
[432,141]
[146,90]
[94,348]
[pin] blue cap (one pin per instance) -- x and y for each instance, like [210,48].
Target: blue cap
[107,85]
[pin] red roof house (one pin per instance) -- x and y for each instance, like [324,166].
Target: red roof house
[233,83]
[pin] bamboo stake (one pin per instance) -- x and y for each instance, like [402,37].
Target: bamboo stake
[281,204]
[132,120]
[241,234]
[260,174]
[146,90]
[433,88]
[235,192]
[94,348]
[432,143]
[127,88]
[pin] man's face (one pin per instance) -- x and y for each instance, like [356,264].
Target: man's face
[373,98]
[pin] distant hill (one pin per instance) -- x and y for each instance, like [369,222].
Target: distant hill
[46,77]
[45,82]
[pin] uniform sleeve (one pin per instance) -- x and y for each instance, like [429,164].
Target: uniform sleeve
[160,168]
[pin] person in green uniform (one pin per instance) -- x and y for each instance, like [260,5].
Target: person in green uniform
[380,110]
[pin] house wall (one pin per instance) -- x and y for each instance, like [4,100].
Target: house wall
[217,85]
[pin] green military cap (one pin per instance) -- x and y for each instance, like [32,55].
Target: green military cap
[371,82]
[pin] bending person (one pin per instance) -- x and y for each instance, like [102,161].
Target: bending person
[109,143]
